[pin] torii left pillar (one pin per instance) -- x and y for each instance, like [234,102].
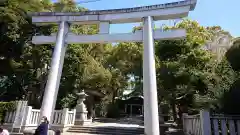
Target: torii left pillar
[151,119]
[52,86]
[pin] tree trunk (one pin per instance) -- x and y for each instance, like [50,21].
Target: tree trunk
[173,106]
[113,96]
[90,104]
[180,112]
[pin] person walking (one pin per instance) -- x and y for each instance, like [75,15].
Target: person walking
[42,129]
[2,130]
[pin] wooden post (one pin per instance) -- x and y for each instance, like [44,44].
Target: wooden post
[205,122]
[74,117]
[27,117]
[125,108]
[184,115]
[64,120]
[19,115]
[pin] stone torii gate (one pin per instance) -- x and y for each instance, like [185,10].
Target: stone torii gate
[104,18]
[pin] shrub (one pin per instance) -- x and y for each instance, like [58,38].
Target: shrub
[5,107]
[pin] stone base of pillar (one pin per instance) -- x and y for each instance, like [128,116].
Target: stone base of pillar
[83,122]
[81,119]
[16,130]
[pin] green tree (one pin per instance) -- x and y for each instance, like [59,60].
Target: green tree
[26,65]
[228,97]
[233,54]
[127,59]
[16,33]
[185,70]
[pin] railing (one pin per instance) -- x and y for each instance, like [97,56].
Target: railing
[206,124]
[34,117]
[61,118]
[225,125]
[71,117]
[191,124]
[10,117]
[57,117]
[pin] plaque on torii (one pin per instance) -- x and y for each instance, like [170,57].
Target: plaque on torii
[103,18]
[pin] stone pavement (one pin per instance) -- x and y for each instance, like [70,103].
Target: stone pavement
[67,133]
[113,124]
[121,123]
[173,131]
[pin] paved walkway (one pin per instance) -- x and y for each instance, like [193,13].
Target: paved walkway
[115,124]
[122,123]
[67,133]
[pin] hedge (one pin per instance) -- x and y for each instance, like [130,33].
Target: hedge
[5,107]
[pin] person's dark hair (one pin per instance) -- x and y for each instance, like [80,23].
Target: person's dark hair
[45,119]
[1,129]
[58,132]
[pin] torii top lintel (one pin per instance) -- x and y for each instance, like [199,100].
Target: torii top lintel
[166,11]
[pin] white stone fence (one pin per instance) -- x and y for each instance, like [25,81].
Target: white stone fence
[206,124]
[61,120]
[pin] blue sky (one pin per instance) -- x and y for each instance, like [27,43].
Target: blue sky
[225,13]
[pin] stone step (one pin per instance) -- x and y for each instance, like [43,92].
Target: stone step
[12,133]
[125,131]
[110,128]
[107,130]
[175,132]
[114,130]
[103,130]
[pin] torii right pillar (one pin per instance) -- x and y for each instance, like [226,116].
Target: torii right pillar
[151,118]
